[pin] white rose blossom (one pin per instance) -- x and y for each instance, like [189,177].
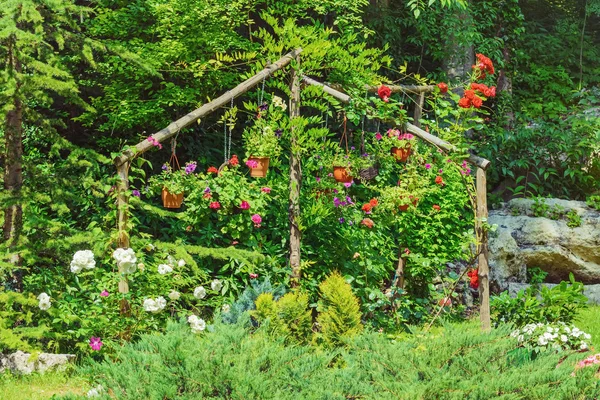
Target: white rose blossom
[82,259]
[126,260]
[216,285]
[181,263]
[196,324]
[155,305]
[200,292]
[164,269]
[174,295]
[45,302]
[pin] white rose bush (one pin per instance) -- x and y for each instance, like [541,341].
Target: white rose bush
[558,336]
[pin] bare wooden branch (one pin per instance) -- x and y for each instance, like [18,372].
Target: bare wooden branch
[434,140]
[295,180]
[208,108]
[484,269]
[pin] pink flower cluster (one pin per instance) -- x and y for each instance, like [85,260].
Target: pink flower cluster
[591,360]
[252,163]
[154,142]
[257,219]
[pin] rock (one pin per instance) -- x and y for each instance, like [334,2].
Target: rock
[524,241]
[24,363]
[592,292]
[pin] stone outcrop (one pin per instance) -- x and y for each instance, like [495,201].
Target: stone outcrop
[24,363]
[523,241]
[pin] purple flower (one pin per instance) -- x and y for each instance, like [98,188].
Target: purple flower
[135,193]
[190,167]
[318,179]
[440,171]
[350,223]
[95,343]
[427,166]
[366,155]
[165,167]
[330,174]
[378,136]
[349,200]
[335,191]
[263,106]
[352,148]
[348,184]
[278,133]
[207,190]
[336,202]
[104,293]
[342,220]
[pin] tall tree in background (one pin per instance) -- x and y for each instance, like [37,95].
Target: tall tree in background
[34,36]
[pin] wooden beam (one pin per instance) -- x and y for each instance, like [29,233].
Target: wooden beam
[419,110]
[483,266]
[434,140]
[417,89]
[207,108]
[295,179]
[122,205]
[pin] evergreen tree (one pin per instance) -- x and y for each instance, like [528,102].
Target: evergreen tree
[35,36]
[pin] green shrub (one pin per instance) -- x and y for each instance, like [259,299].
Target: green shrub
[534,305]
[339,317]
[455,362]
[19,329]
[289,317]
[247,300]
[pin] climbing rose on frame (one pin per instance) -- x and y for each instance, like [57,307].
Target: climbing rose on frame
[82,259]
[384,93]
[174,295]
[164,269]
[216,285]
[155,305]
[125,259]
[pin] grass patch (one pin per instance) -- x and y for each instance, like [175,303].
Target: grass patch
[589,322]
[40,387]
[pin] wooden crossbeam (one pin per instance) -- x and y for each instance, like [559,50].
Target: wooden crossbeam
[207,108]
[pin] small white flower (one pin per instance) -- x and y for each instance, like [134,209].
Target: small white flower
[587,336]
[126,260]
[181,263]
[542,341]
[278,102]
[164,269]
[82,259]
[216,285]
[174,295]
[583,346]
[226,308]
[200,292]
[45,302]
[196,324]
[564,338]
[95,392]
[520,338]
[154,306]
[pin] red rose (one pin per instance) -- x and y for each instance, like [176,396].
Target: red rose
[464,102]
[215,205]
[473,274]
[373,202]
[212,170]
[490,92]
[368,222]
[367,207]
[439,180]
[469,94]
[477,102]
[443,87]
[234,160]
[384,93]
[436,207]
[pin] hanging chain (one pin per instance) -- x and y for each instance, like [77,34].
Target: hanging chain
[225,138]
[262,92]
[229,148]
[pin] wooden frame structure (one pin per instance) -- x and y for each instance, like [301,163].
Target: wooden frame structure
[123,162]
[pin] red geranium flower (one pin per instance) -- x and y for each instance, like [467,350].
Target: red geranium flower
[384,93]
[477,102]
[212,170]
[436,207]
[474,278]
[234,160]
[215,205]
[368,222]
[443,87]
[367,207]
[439,180]
[373,202]
[469,94]
[490,92]
[464,102]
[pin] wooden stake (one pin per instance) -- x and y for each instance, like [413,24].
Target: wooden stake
[484,270]
[122,205]
[419,110]
[207,108]
[295,179]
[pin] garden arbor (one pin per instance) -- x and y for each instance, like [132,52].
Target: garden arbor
[123,163]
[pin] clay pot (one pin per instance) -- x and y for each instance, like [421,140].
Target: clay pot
[401,154]
[171,200]
[340,174]
[260,171]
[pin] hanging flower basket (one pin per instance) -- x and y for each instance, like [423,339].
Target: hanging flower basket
[258,166]
[401,154]
[405,207]
[341,174]
[171,200]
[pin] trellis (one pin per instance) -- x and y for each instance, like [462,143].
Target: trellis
[123,163]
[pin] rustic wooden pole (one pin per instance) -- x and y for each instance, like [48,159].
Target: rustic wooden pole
[484,270]
[295,178]
[123,213]
[207,108]
[419,110]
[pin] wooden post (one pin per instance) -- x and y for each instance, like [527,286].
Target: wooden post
[295,178]
[122,209]
[484,270]
[419,110]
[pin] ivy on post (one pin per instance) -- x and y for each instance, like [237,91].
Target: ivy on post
[295,177]
[482,235]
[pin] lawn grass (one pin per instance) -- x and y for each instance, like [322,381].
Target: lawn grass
[589,321]
[40,387]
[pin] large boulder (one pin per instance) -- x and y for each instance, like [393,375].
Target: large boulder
[24,363]
[523,241]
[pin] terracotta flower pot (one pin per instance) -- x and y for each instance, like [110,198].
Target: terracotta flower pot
[262,166]
[405,207]
[340,174]
[401,154]
[171,200]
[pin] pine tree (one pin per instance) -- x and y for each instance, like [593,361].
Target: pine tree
[35,35]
